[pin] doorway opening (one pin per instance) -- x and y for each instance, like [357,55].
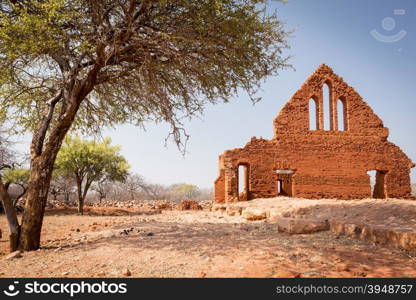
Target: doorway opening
[243,182]
[377,183]
[284,183]
[279,187]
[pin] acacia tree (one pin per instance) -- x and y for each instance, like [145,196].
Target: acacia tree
[91,63]
[187,191]
[103,187]
[133,184]
[89,162]
[19,177]
[62,184]
[7,162]
[136,183]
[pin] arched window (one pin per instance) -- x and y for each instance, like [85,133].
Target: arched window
[342,115]
[313,115]
[327,106]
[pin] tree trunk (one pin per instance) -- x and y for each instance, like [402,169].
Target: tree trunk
[54,194]
[38,187]
[81,206]
[79,180]
[11,216]
[37,193]
[46,143]
[82,194]
[66,195]
[101,196]
[19,196]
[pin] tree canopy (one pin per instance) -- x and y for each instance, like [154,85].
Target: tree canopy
[143,60]
[18,176]
[89,162]
[187,191]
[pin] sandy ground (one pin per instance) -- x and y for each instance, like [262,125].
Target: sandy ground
[211,244]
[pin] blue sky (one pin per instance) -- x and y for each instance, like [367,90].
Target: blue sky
[335,32]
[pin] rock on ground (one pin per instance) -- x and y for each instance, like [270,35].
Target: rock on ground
[298,226]
[233,210]
[253,214]
[13,255]
[189,205]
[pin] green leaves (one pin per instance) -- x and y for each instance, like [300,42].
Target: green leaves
[91,161]
[17,176]
[187,191]
[34,28]
[132,61]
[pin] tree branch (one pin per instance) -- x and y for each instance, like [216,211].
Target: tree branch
[24,188]
[39,136]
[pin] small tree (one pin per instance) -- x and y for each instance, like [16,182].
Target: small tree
[154,191]
[133,184]
[62,184]
[17,177]
[7,162]
[103,187]
[187,191]
[89,162]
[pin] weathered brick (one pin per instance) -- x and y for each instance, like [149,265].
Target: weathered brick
[325,163]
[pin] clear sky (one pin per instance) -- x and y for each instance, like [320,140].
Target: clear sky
[380,66]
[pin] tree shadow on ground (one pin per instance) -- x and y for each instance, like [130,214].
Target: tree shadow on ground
[319,253]
[101,211]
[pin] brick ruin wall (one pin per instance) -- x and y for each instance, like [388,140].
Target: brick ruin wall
[326,163]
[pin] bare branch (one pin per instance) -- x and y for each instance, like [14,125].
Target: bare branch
[39,136]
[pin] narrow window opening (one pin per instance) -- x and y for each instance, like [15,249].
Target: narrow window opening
[327,107]
[313,113]
[341,115]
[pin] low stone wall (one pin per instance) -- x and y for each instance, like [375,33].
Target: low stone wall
[399,239]
[396,236]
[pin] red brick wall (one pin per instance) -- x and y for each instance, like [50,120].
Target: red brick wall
[327,164]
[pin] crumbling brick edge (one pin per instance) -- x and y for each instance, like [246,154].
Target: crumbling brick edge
[405,240]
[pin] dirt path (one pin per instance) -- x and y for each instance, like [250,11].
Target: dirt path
[196,244]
